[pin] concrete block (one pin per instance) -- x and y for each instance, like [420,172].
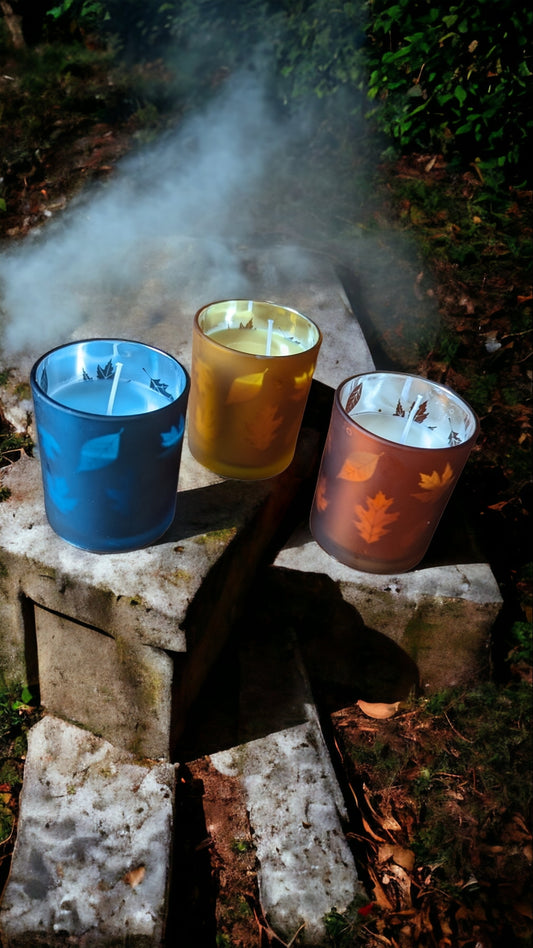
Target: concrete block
[91,860]
[119,688]
[440,616]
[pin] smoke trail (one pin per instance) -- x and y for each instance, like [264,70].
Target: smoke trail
[197,182]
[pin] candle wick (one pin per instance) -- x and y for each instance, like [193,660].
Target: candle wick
[410,418]
[113,391]
[269,336]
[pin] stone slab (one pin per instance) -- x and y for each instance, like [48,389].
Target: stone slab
[305,866]
[276,796]
[440,616]
[91,860]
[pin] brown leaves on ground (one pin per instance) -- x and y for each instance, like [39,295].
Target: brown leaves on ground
[446,851]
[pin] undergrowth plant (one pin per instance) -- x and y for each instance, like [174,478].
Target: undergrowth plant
[455,80]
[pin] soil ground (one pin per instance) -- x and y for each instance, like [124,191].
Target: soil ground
[440,794]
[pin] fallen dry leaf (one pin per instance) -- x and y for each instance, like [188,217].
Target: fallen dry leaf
[379,710]
[135,876]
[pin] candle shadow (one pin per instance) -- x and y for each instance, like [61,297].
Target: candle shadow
[298,641]
[216,507]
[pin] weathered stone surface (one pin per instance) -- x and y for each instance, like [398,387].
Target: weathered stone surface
[441,616]
[162,597]
[305,867]
[91,861]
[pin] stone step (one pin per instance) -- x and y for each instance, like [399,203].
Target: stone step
[91,863]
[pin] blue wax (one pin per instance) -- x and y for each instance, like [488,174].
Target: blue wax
[92,395]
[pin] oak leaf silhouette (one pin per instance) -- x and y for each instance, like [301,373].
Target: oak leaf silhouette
[372,521]
[261,431]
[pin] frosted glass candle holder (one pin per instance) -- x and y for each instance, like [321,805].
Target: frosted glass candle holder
[395,449]
[110,418]
[252,367]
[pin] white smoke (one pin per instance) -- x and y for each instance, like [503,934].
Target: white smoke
[197,182]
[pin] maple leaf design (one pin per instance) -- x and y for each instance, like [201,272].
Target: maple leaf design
[301,384]
[248,325]
[421,412]
[434,485]
[262,430]
[107,372]
[372,521]
[162,387]
[359,466]
[321,500]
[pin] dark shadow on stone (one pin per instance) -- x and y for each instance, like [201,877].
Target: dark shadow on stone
[344,659]
[296,631]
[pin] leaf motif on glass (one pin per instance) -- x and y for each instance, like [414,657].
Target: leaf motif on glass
[359,466]
[58,493]
[107,372]
[434,485]
[422,411]
[162,387]
[261,431]
[321,501]
[44,381]
[99,452]
[86,377]
[301,384]
[48,443]
[245,387]
[373,520]
[354,397]
[248,325]
[170,438]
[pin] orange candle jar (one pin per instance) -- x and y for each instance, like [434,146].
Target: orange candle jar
[395,449]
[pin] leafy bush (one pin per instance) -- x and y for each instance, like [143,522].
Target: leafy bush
[454,79]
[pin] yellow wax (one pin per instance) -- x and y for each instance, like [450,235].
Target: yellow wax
[254,341]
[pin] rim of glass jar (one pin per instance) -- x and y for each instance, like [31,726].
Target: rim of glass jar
[408,375]
[257,355]
[112,339]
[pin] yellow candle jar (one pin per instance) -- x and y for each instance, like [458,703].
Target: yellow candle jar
[252,366]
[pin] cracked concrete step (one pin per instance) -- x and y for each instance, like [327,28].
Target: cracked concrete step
[91,859]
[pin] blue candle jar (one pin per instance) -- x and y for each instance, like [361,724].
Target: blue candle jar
[110,419]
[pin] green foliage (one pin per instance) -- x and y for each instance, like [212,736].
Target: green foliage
[454,79]
[12,703]
[88,13]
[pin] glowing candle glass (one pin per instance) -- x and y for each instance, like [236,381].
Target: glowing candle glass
[395,449]
[110,418]
[252,366]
